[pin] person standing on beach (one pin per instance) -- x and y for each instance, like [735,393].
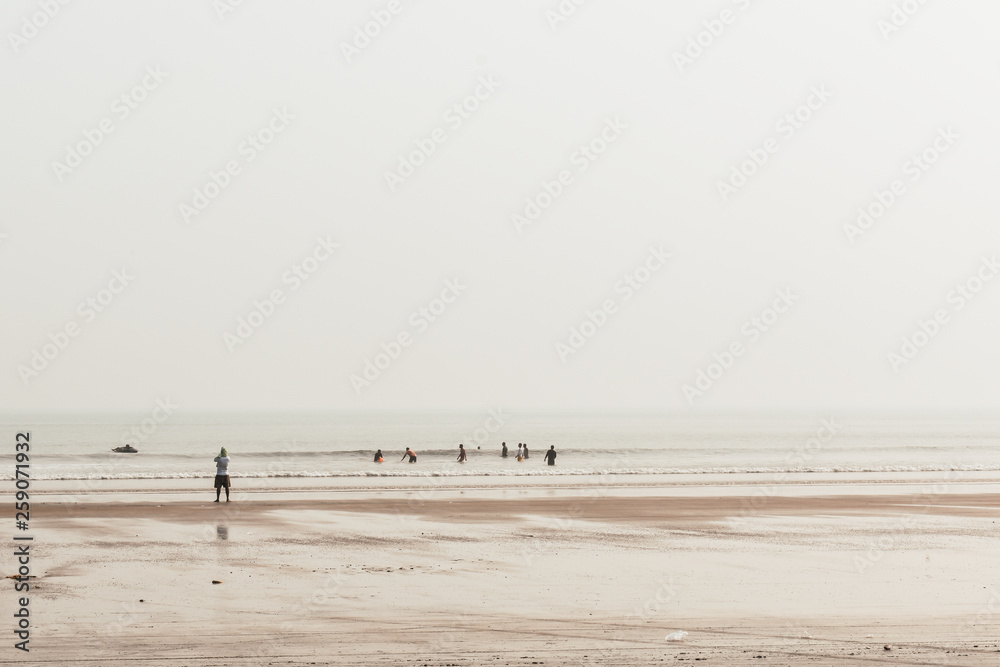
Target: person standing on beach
[378,456]
[222,474]
[525,450]
[412,454]
[461,454]
[503,452]
[550,456]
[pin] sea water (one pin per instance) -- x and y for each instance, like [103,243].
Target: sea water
[343,445]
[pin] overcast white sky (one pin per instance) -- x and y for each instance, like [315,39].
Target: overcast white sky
[680,130]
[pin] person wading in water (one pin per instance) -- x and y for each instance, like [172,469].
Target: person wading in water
[550,456]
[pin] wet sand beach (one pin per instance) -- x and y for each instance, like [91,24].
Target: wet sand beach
[536,576]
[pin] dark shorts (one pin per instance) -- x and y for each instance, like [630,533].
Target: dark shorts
[222,481]
[413,459]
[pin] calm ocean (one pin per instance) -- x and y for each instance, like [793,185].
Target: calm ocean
[341,445]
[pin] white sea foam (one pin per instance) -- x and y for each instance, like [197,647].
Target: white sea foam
[538,472]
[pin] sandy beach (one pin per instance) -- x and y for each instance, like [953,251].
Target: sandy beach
[519,576]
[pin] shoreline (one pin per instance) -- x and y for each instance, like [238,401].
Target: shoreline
[783,481]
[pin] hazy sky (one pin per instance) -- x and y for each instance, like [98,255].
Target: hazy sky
[175,162]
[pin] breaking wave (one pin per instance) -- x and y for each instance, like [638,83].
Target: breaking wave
[537,472]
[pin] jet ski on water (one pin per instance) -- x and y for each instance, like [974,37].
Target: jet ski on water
[127,449]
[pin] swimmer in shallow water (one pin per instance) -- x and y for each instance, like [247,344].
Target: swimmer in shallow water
[550,456]
[412,454]
[461,454]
